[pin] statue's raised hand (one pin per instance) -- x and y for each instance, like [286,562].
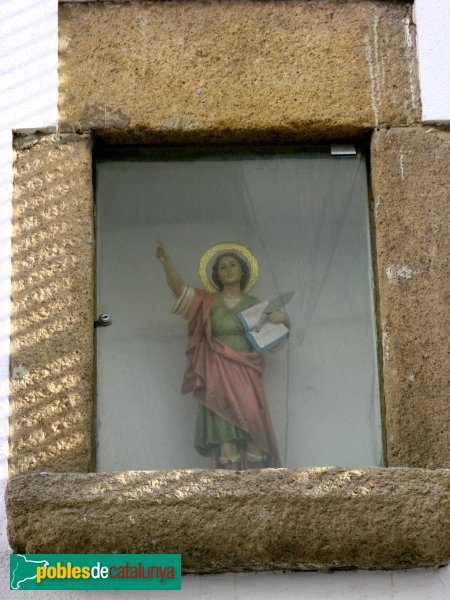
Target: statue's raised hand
[161,253]
[175,282]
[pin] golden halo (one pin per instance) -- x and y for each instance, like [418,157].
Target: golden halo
[221,248]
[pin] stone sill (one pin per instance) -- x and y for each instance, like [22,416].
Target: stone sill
[221,521]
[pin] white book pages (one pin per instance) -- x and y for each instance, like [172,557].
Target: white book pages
[269,337]
[253,314]
[270,334]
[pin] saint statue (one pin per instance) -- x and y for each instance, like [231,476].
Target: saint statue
[223,371]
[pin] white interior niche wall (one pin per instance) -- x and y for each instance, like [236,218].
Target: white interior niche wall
[305,217]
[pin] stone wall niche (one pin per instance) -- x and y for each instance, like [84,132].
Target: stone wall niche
[234,72]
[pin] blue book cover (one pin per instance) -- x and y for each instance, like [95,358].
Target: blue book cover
[262,334]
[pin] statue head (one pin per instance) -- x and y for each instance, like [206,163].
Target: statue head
[242,263]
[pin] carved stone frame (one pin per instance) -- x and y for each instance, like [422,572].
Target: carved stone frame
[390,518]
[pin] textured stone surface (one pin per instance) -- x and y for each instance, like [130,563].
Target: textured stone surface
[51,388]
[233,521]
[410,179]
[256,71]
[267,71]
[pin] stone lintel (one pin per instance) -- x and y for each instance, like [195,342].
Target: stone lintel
[312,519]
[256,71]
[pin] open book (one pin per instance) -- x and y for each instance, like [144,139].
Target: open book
[260,332]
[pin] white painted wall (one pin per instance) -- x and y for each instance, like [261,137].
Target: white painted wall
[28,100]
[432,19]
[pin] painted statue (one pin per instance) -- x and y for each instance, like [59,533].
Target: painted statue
[223,371]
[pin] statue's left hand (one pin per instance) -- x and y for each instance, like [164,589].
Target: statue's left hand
[276,316]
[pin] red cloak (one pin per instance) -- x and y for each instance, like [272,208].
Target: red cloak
[228,383]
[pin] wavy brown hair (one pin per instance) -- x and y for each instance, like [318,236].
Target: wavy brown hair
[244,266]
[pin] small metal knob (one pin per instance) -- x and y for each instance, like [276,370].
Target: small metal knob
[103,320]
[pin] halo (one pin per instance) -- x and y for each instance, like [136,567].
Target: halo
[221,248]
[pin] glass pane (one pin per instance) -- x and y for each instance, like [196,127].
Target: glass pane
[304,215]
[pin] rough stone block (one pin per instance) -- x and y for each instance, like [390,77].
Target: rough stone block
[254,71]
[313,519]
[52,354]
[410,177]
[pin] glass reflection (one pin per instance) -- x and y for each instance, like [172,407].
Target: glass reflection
[304,216]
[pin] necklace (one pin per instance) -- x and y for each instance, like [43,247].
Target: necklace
[231,301]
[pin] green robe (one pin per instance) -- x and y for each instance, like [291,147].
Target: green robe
[211,431]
